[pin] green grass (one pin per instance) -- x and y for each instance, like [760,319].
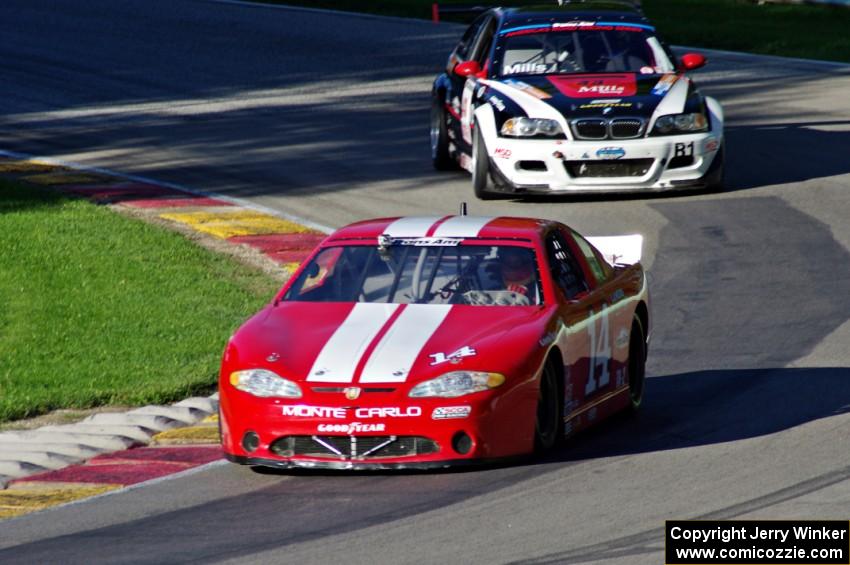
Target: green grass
[99,309]
[814,32]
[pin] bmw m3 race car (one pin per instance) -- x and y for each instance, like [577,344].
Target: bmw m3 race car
[582,98]
[428,342]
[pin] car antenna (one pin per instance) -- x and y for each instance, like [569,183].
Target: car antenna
[463,208]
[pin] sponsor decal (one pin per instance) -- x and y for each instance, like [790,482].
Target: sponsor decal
[388,412]
[342,412]
[502,153]
[497,103]
[273,357]
[683,149]
[351,392]
[607,104]
[352,428]
[594,86]
[611,153]
[528,89]
[304,411]
[526,68]
[451,412]
[711,145]
[617,295]
[664,84]
[646,70]
[440,358]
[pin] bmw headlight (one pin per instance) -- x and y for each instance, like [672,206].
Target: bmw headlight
[680,123]
[263,383]
[457,383]
[530,127]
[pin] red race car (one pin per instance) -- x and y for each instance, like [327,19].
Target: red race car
[434,341]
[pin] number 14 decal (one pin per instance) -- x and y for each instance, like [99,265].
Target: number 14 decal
[600,353]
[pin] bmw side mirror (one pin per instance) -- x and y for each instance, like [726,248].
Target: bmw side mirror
[693,61]
[467,68]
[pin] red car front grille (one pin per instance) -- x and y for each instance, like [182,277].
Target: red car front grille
[353,447]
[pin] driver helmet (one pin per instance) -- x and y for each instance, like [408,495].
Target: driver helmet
[517,265]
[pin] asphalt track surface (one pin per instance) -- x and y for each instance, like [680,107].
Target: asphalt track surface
[325,116]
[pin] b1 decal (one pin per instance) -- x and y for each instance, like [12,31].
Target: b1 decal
[600,355]
[683,149]
[502,153]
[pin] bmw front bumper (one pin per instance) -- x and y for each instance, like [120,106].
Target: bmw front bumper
[652,164]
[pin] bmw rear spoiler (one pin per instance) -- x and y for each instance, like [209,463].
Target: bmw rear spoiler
[619,249]
[474,10]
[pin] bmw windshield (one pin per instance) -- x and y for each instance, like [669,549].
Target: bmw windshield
[479,275]
[579,48]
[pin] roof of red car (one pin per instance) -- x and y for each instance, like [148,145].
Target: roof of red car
[444,226]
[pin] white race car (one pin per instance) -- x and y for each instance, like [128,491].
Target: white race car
[582,98]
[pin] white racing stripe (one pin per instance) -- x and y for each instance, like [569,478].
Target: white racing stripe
[395,354]
[414,226]
[340,355]
[462,226]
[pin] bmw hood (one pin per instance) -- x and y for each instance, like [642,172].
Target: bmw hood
[590,95]
[391,344]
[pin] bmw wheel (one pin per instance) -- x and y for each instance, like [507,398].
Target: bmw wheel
[440,138]
[481,183]
[548,425]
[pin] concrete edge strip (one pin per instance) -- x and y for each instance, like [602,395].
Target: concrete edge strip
[185,473]
[175,186]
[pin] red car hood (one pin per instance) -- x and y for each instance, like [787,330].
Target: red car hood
[342,343]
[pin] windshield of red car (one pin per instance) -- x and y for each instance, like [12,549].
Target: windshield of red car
[480,275]
[572,48]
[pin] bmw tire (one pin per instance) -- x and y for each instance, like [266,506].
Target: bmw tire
[440,156]
[481,182]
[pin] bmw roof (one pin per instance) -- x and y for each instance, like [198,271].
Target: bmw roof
[619,11]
